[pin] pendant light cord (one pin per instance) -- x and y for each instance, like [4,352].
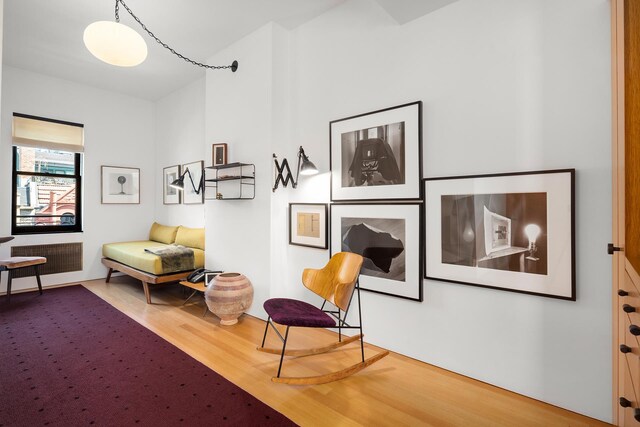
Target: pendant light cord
[233,66]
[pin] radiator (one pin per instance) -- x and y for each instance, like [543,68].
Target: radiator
[61,258]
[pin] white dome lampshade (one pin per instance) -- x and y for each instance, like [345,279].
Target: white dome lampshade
[115,43]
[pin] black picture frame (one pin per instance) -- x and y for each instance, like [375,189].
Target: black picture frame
[507,231]
[170,195]
[388,143]
[298,239]
[376,275]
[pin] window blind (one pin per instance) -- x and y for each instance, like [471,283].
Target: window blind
[31,131]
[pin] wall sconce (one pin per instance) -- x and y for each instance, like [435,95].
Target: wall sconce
[532,231]
[305,167]
[178,184]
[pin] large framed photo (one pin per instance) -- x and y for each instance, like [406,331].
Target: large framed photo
[388,237]
[377,155]
[308,225]
[513,232]
[170,195]
[193,193]
[120,185]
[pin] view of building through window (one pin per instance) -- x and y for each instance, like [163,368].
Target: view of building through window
[45,187]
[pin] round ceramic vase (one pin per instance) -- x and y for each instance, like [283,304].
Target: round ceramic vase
[228,296]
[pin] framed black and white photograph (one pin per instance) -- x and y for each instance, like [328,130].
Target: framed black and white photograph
[511,232]
[120,185]
[388,237]
[308,225]
[170,195]
[219,154]
[377,155]
[193,193]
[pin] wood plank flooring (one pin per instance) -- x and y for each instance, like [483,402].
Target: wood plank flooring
[396,391]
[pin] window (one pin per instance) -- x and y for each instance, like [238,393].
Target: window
[47,181]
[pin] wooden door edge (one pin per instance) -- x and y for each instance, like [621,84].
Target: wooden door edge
[617,157]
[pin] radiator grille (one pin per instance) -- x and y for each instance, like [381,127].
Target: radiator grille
[61,258]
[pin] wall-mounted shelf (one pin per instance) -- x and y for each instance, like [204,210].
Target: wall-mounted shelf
[236,180]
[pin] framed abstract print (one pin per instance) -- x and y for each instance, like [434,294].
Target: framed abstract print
[308,224]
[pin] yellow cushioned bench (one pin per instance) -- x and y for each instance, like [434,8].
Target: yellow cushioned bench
[133,255]
[130,257]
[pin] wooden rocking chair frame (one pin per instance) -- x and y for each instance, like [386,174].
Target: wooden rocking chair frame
[340,316]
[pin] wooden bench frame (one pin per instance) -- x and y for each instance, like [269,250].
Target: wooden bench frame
[146,278]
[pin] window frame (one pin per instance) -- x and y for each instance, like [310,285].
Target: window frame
[46,229]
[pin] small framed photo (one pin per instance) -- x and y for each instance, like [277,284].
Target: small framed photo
[388,237]
[377,155]
[193,193]
[308,225]
[120,185]
[170,195]
[219,154]
[514,232]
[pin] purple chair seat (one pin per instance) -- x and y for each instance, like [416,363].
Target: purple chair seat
[291,312]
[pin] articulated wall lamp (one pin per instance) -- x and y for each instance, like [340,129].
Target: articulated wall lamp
[117,44]
[178,184]
[305,167]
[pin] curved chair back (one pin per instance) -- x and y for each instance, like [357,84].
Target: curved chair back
[336,281]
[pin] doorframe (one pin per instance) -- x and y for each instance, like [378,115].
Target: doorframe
[618,185]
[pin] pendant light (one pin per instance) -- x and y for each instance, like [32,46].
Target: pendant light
[118,44]
[115,44]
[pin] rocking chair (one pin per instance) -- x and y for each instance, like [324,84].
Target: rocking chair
[336,283]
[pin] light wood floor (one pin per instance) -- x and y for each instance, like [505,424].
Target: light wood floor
[396,391]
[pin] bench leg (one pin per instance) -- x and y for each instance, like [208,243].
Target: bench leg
[109,275]
[35,267]
[147,294]
[9,286]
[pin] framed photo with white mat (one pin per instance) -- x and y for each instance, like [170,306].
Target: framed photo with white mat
[388,236]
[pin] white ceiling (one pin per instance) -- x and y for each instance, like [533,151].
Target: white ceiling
[45,36]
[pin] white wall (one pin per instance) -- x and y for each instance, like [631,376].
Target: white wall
[118,132]
[506,86]
[240,109]
[179,139]
[2,227]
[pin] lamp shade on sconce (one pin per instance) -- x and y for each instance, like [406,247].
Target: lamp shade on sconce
[305,166]
[308,168]
[178,184]
[115,44]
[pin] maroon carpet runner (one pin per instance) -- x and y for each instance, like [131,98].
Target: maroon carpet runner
[67,358]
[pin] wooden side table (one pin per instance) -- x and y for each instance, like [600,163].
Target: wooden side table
[197,287]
